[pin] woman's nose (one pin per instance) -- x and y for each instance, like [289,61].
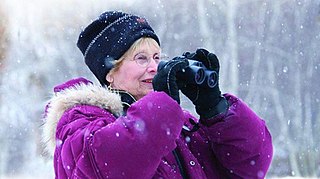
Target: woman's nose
[153,65]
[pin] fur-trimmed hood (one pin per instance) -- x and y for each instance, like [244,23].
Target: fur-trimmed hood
[74,95]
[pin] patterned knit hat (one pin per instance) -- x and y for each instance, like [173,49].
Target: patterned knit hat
[107,38]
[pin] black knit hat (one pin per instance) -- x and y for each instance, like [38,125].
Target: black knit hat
[107,38]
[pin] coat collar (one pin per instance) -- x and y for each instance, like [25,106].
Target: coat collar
[84,94]
[126,98]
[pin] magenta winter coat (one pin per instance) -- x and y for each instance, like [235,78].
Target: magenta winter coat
[90,140]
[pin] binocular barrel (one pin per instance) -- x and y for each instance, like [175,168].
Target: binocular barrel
[197,73]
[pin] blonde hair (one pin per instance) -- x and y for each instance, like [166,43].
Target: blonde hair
[136,45]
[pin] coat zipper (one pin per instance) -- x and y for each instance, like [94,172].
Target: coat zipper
[177,156]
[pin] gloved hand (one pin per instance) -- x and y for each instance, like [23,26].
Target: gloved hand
[208,101]
[165,80]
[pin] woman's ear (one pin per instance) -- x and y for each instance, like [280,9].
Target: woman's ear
[109,78]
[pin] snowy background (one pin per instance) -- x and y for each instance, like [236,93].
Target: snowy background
[268,49]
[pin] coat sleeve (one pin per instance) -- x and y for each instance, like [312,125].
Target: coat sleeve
[130,146]
[240,140]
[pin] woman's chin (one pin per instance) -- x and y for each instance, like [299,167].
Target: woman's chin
[147,91]
[143,92]
[146,87]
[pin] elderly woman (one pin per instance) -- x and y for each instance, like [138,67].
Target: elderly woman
[132,126]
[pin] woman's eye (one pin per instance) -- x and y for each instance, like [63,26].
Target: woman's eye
[157,59]
[141,57]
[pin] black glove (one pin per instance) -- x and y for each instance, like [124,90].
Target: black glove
[208,101]
[165,80]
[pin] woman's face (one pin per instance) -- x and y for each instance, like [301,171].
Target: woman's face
[137,70]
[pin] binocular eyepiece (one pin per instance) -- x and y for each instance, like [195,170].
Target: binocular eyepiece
[197,73]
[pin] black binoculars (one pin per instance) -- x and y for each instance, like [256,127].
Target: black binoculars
[197,73]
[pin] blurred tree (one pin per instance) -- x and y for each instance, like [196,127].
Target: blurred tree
[3,50]
[3,36]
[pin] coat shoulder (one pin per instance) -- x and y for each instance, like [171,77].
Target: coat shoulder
[91,97]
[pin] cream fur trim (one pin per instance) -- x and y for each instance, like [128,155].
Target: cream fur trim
[79,94]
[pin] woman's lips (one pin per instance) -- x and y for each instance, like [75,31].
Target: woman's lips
[147,81]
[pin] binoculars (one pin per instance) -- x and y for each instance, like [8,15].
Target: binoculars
[197,73]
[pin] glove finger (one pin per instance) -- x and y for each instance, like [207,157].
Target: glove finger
[186,54]
[202,53]
[210,60]
[213,62]
[191,91]
[170,68]
[191,56]
[177,64]
[199,54]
